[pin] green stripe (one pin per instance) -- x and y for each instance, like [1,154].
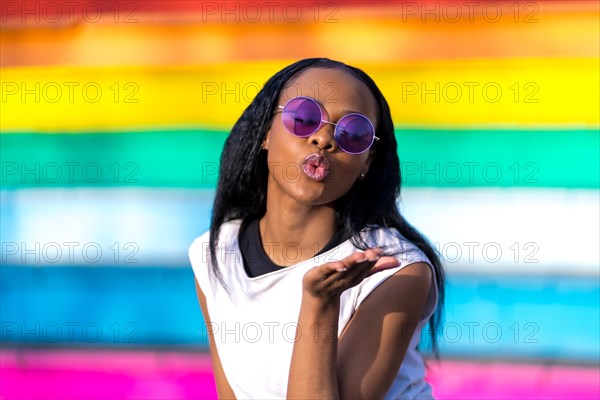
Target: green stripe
[189,158]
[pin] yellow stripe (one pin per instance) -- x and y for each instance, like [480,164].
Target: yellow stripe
[433,93]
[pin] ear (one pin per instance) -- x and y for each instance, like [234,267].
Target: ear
[370,159]
[265,144]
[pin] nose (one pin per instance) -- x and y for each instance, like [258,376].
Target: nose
[323,138]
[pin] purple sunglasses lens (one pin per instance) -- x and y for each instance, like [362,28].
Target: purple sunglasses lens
[354,133]
[301,116]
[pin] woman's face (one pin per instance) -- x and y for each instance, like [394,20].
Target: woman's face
[297,164]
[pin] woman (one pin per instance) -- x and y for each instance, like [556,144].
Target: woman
[311,283]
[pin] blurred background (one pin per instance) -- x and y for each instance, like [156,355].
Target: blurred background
[113,117]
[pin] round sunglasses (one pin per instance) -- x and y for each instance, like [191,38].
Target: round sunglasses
[302,116]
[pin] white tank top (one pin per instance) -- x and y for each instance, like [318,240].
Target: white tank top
[254,328]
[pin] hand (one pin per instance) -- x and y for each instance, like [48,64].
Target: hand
[328,281]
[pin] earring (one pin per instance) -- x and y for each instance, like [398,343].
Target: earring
[362,176]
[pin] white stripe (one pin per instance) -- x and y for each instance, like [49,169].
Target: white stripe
[491,230]
[130,227]
[510,230]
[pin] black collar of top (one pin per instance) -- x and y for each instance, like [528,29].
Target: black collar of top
[256,261]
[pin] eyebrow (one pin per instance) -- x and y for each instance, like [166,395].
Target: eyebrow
[344,111]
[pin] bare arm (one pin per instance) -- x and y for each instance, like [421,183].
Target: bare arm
[373,345]
[313,368]
[223,389]
[365,360]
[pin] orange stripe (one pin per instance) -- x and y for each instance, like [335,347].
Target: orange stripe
[380,34]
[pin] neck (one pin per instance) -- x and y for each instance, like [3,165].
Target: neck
[292,233]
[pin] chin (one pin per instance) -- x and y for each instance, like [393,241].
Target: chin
[312,197]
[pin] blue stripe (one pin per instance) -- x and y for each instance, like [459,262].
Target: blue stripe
[540,317]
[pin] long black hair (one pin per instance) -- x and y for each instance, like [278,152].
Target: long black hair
[242,185]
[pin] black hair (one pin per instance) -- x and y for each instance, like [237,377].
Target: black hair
[243,174]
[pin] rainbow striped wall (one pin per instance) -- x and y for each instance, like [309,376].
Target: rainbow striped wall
[114,115]
[165,375]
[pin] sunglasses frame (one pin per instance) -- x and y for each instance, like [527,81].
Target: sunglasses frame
[324,122]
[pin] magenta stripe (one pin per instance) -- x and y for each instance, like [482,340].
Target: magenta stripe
[478,380]
[32,374]
[79,374]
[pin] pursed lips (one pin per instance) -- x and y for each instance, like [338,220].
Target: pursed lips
[316,166]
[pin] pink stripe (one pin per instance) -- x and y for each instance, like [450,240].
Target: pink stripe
[78,374]
[472,380]
[46,374]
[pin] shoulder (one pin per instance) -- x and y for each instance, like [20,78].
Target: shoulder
[199,249]
[200,246]
[200,257]
[394,244]
[376,233]
[414,277]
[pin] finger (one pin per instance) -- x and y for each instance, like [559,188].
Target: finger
[349,269]
[365,262]
[328,273]
[338,272]
[379,263]
[331,268]
[356,270]
[353,259]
